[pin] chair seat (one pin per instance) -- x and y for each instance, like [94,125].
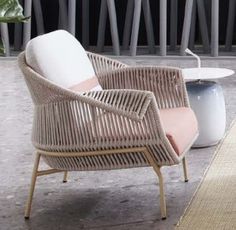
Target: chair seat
[180,125]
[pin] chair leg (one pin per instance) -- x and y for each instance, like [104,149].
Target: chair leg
[32,186]
[65,177]
[157,169]
[185,170]
[162,192]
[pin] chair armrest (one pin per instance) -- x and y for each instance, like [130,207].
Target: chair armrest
[103,64]
[166,83]
[132,104]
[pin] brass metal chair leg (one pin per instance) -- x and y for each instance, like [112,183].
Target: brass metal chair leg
[157,169]
[162,192]
[185,170]
[32,186]
[65,177]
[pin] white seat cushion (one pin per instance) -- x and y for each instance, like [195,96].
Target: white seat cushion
[59,57]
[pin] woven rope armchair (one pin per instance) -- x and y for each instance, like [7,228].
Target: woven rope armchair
[114,128]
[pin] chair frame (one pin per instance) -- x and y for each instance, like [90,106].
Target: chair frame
[136,154]
[36,172]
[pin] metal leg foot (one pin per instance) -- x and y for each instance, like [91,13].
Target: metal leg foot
[65,177]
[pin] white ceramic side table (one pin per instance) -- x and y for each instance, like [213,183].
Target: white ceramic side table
[207,100]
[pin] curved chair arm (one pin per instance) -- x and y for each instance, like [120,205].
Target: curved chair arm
[132,104]
[103,64]
[166,83]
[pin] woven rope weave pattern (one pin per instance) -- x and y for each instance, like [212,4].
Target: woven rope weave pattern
[125,114]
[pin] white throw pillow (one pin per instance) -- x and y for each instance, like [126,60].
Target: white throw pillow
[59,57]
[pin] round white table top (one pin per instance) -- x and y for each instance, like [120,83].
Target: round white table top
[206,73]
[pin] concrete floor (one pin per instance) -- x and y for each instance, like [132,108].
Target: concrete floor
[121,199]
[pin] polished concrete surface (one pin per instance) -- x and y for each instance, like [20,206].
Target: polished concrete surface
[119,199]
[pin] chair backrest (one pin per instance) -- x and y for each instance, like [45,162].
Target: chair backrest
[59,57]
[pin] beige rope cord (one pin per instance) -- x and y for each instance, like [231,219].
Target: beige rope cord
[214,204]
[118,127]
[103,64]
